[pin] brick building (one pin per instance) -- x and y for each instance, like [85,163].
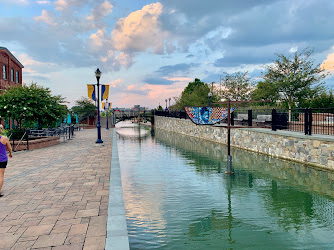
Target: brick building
[10,69]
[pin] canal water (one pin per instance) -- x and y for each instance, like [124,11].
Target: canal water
[177,196]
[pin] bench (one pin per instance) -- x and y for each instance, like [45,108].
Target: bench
[241,118]
[263,119]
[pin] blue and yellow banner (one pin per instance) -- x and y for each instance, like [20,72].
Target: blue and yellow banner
[91,91]
[106,106]
[104,92]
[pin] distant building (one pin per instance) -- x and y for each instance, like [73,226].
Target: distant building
[10,69]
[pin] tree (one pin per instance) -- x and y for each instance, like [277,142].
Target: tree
[236,87]
[84,108]
[160,108]
[28,104]
[265,91]
[295,78]
[320,100]
[195,94]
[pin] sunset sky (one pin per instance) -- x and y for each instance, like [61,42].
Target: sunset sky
[148,51]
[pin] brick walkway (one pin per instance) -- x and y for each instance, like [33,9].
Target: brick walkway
[57,197]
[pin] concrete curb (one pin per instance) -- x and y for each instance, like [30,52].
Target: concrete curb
[117,232]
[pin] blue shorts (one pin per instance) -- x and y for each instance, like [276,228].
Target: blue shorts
[3,164]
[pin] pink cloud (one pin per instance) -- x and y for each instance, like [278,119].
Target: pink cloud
[47,17]
[328,64]
[140,30]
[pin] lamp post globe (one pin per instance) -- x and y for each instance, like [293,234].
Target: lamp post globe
[98,75]
[210,95]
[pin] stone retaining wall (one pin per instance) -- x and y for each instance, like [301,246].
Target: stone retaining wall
[314,150]
[35,144]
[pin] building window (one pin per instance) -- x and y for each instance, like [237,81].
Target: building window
[12,74]
[4,72]
[17,77]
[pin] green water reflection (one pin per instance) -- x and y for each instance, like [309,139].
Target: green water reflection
[177,197]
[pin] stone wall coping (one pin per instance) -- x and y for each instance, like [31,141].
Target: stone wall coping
[117,231]
[50,138]
[294,134]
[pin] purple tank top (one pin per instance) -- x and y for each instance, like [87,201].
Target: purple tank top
[3,153]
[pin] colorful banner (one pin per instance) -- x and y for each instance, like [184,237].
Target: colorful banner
[207,115]
[104,92]
[76,118]
[106,105]
[69,120]
[91,91]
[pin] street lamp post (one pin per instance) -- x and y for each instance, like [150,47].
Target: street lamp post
[98,75]
[166,104]
[210,95]
[169,100]
[107,106]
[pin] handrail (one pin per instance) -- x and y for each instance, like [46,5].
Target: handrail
[20,140]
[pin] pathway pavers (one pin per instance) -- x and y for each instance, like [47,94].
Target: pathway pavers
[57,197]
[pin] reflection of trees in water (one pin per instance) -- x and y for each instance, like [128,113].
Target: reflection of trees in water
[324,210]
[288,185]
[217,220]
[292,208]
[207,156]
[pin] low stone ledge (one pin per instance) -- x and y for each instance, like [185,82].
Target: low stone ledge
[36,143]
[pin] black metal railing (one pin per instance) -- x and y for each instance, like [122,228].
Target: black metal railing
[182,114]
[305,120]
[21,137]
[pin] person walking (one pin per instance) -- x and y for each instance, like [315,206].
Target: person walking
[4,142]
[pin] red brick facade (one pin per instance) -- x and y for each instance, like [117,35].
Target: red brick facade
[12,67]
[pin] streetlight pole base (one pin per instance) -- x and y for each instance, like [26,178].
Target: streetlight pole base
[229,165]
[99,141]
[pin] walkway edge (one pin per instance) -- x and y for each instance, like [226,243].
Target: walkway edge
[117,232]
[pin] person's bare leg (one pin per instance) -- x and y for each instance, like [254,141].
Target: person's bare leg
[2,176]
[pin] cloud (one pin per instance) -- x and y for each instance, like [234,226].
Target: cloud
[67,5]
[15,2]
[47,17]
[158,81]
[97,41]
[140,31]
[282,21]
[328,64]
[230,26]
[114,60]
[100,11]
[177,68]
[243,55]
[43,2]
[158,93]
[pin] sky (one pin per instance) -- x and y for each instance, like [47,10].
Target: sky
[148,51]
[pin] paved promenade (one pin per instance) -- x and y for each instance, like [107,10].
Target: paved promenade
[57,197]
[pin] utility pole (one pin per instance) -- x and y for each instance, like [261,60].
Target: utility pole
[229,169]
[220,86]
